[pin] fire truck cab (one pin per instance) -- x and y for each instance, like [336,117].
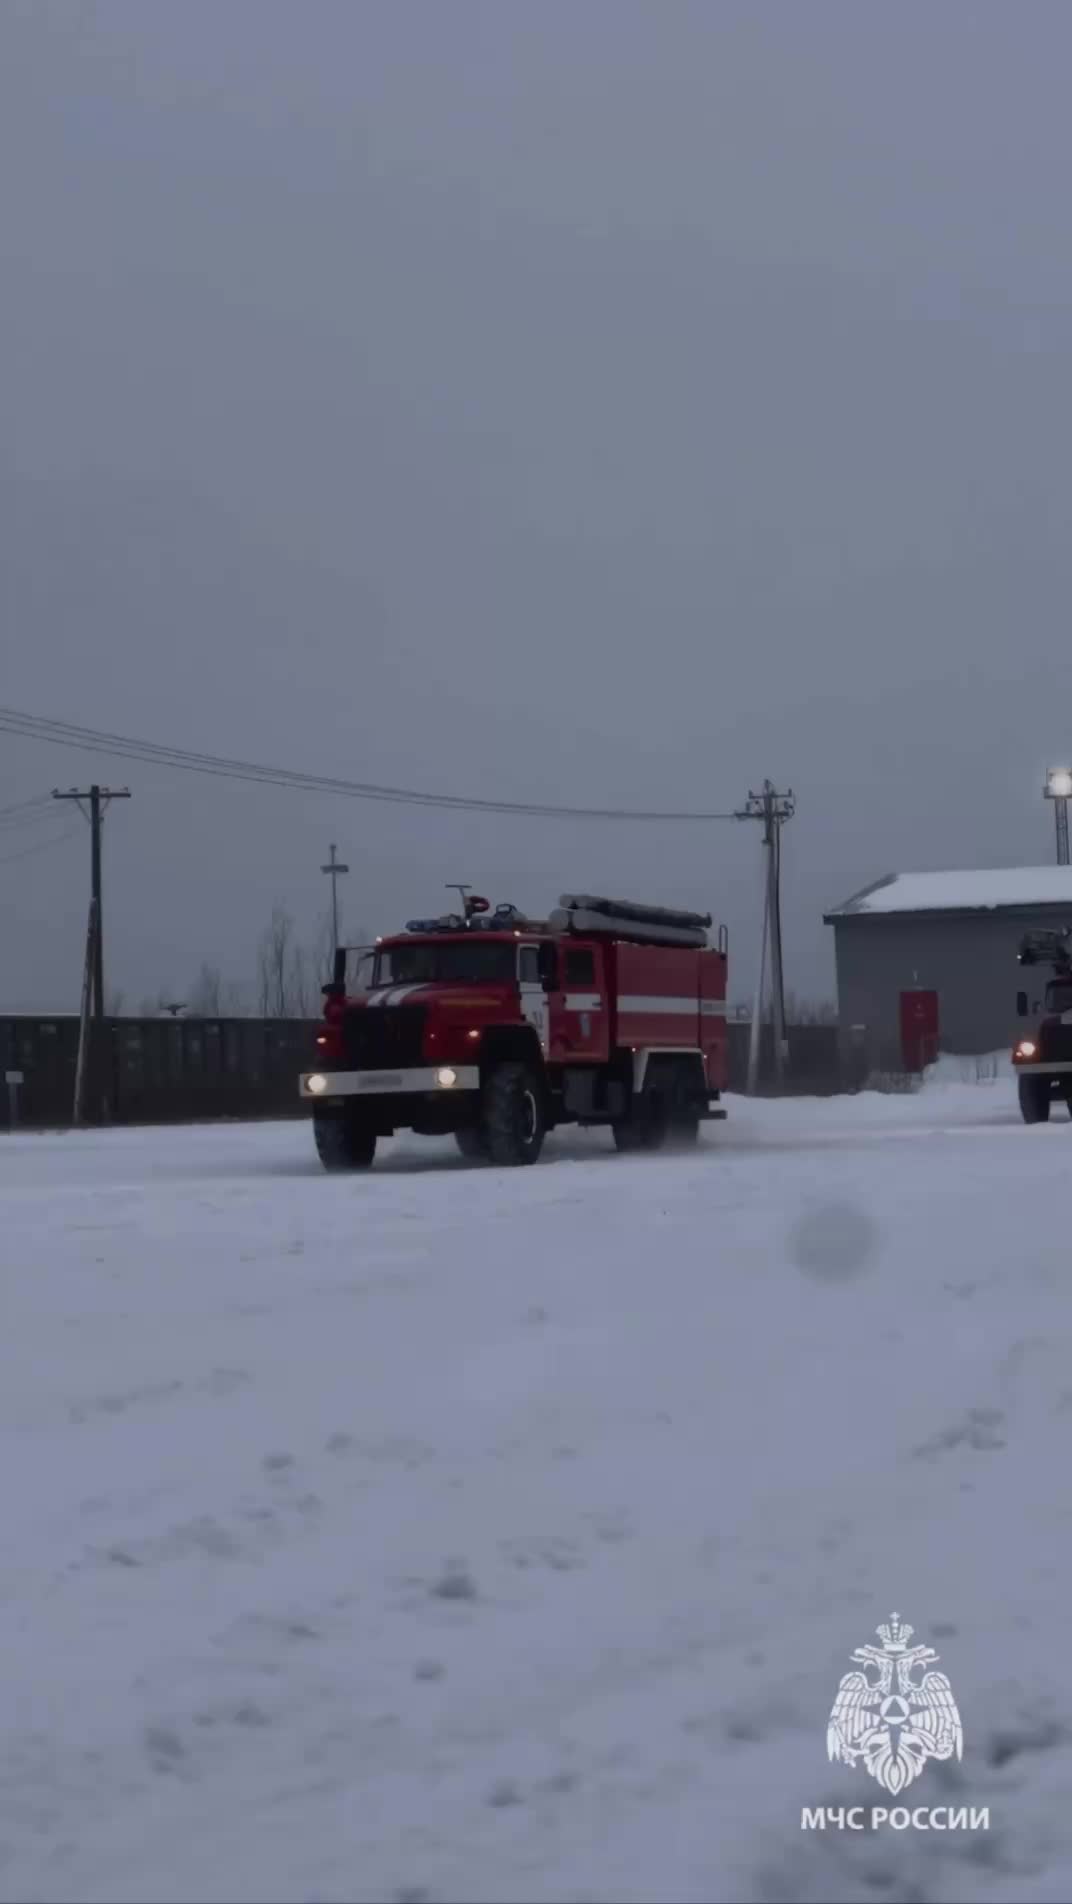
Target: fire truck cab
[496,1028]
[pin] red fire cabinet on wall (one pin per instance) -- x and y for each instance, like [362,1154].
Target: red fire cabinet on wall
[919,1029]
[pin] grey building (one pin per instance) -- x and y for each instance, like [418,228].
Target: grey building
[926,962]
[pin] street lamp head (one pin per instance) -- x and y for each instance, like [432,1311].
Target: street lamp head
[1058,784]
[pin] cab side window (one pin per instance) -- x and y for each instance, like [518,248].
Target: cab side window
[528,965]
[581,970]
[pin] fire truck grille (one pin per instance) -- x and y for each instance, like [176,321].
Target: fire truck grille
[383,1037]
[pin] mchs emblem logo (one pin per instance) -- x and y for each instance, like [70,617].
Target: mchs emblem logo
[894,1731]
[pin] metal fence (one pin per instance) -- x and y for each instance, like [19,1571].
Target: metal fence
[152,1070]
[814,1067]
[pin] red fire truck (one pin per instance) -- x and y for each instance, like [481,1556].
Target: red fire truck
[497,1028]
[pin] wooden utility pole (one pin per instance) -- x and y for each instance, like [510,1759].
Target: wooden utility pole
[83,1016]
[774,809]
[99,799]
[755,1030]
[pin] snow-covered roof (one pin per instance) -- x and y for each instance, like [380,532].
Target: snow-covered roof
[973,891]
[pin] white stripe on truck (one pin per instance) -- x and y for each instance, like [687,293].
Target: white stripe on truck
[708,1007]
[394,994]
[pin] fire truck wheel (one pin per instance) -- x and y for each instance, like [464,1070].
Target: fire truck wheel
[1034,1099]
[685,1130]
[647,1129]
[472,1143]
[342,1143]
[515,1120]
[626,1135]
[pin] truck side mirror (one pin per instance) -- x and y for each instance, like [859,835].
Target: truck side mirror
[1021,1004]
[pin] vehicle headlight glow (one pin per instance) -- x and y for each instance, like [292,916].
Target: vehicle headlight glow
[447,1076]
[1026,1048]
[316,1084]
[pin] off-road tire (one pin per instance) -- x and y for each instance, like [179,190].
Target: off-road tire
[1034,1094]
[665,1114]
[343,1142]
[514,1121]
[472,1142]
[684,1130]
[647,1129]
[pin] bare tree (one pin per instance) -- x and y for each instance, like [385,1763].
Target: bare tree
[803,1011]
[298,987]
[290,973]
[205,996]
[274,957]
[284,966]
[234,1001]
[322,951]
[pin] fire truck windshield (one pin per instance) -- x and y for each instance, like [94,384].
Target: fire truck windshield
[446,961]
[1059,995]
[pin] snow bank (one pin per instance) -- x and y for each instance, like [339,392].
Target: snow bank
[986,1068]
[463,1534]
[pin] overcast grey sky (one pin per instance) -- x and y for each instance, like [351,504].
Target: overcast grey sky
[586,400]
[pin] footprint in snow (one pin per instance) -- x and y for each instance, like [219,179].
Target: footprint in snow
[504,1793]
[980,1429]
[455,1583]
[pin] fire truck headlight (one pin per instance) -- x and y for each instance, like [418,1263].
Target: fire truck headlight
[1026,1048]
[446,1076]
[316,1084]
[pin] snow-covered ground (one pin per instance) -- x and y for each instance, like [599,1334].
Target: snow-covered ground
[452,1533]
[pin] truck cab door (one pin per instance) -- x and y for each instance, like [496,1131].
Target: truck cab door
[582,1019]
[535,1008]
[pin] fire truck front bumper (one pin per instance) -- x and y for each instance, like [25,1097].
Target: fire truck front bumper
[435,1080]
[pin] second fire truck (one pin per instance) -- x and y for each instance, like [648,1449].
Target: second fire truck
[1042,1058]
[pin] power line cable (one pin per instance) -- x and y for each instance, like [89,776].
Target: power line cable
[15,822]
[40,846]
[96,740]
[22,811]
